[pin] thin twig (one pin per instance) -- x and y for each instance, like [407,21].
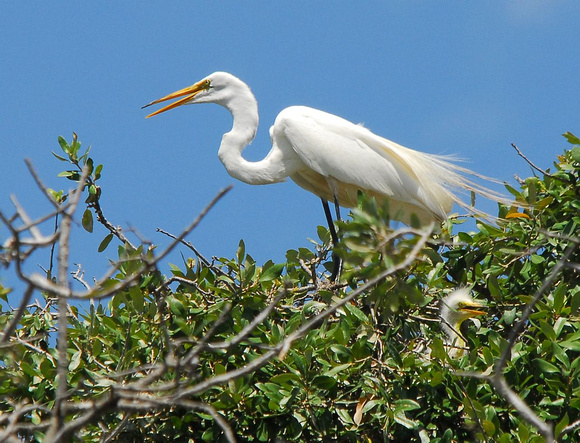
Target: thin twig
[101,292]
[106,438]
[40,184]
[537,168]
[570,428]
[17,315]
[190,246]
[116,231]
[78,276]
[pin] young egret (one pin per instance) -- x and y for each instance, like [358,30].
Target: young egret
[455,309]
[330,157]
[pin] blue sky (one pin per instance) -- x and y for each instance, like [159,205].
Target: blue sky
[455,77]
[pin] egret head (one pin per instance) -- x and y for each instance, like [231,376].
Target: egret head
[455,309]
[219,87]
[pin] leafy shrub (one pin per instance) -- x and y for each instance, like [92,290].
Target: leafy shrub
[227,347]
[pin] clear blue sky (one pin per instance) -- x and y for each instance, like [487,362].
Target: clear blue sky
[456,77]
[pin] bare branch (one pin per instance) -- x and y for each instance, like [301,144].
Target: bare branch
[40,184]
[17,315]
[570,428]
[78,276]
[12,427]
[116,231]
[190,246]
[537,168]
[99,292]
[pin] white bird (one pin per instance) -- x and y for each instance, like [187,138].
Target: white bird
[330,157]
[457,307]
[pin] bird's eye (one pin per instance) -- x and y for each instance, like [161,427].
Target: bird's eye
[208,84]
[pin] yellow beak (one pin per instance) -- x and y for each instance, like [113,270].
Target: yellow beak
[187,94]
[470,310]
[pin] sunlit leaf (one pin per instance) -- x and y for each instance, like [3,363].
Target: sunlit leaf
[571,138]
[272,272]
[63,144]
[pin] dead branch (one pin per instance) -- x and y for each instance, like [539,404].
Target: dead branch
[537,168]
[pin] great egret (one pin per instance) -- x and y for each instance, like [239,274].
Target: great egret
[329,156]
[455,309]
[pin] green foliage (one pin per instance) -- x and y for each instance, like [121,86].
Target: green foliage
[375,370]
[81,162]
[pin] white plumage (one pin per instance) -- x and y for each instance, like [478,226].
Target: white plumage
[329,156]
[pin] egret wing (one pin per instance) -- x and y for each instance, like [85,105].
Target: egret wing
[352,156]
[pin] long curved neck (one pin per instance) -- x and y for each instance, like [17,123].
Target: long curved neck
[244,110]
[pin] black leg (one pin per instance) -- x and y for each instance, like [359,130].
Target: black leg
[330,222]
[335,259]
[337,208]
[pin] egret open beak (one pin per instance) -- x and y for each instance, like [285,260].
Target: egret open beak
[187,94]
[474,309]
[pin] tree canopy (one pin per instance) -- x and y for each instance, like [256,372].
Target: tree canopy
[226,349]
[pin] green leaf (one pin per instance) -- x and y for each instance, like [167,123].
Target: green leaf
[571,138]
[513,191]
[68,174]
[405,421]
[28,369]
[75,360]
[537,259]
[63,144]
[571,344]
[337,369]
[561,425]
[241,252]
[58,197]
[356,312]
[323,234]
[324,382]
[105,242]
[344,416]
[97,347]
[406,405]
[575,154]
[59,157]
[74,148]
[87,220]
[559,295]
[47,369]
[89,165]
[546,366]
[137,298]
[548,330]
[272,273]
[176,306]
[98,170]
[284,378]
